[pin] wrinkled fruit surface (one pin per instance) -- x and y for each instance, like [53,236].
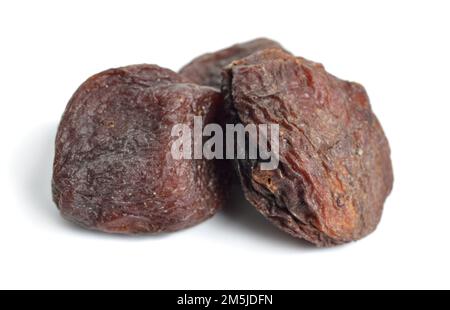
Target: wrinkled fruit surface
[207,69]
[335,170]
[113,169]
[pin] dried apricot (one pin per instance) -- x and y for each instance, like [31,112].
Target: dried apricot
[113,169]
[334,170]
[207,69]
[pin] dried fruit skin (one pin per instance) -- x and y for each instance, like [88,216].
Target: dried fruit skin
[113,170]
[335,170]
[207,69]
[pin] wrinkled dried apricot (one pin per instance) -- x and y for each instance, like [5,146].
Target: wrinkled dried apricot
[207,69]
[335,170]
[113,169]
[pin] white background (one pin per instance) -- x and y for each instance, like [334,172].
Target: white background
[398,49]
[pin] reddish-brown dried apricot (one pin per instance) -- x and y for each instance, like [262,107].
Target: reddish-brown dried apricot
[113,169]
[335,170]
[207,69]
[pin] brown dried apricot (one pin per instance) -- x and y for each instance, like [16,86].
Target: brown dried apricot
[334,170]
[113,169]
[207,69]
